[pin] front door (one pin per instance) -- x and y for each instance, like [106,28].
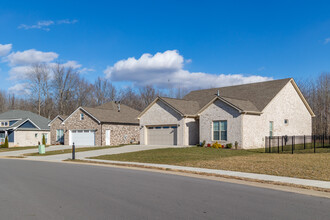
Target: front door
[107,137]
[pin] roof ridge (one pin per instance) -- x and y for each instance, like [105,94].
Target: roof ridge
[241,84]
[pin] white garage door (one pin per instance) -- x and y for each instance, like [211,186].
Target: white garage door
[82,137]
[162,135]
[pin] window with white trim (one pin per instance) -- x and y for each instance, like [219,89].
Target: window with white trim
[220,130]
[271,128]
[82,116]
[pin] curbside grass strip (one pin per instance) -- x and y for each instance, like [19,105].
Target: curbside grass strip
[323,186]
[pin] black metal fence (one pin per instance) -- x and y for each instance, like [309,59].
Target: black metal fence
[299,144]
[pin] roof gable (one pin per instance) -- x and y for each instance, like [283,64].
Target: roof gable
[254,96]
[21,116]
[27,124]
[109,113]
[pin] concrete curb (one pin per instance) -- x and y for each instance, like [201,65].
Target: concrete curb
[255,176]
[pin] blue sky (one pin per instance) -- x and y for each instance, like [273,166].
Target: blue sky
[182,43]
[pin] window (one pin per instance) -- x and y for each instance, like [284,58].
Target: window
[60,135]
[286,121]
[271,128]
[158,127]
[36,135]
[150,127]
[6,123]
[81,116]
[166,127]
[220,130]
[174,127]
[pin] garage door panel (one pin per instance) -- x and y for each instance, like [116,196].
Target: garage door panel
[162,135]
[83,137]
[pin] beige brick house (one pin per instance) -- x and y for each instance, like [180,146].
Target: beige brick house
[244,114]
[109,124]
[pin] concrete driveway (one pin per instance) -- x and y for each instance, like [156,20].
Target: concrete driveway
[95,153]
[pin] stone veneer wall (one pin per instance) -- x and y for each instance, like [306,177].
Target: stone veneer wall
[119,134]
[57,124]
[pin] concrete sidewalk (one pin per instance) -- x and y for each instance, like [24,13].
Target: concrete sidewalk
[263,177]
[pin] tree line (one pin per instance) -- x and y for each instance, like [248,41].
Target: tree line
[60,90]
[317,93]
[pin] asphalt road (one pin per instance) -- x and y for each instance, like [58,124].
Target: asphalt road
[43,190]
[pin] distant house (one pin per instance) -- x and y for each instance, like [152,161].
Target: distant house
[244,114]
[23,128]
[109,124]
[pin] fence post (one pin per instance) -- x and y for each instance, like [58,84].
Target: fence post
[292,143]
[278,144]
[270,144]
[282,143]
[323,141]
[314,143]
[304,143]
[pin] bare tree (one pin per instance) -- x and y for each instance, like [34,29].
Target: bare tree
[147,95]
[38,81]
[64,83]
[104,91]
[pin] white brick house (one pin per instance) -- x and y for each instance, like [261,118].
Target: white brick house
[244,113]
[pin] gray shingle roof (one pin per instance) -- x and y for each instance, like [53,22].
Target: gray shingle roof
[108,112]
[252,97]
[40,121]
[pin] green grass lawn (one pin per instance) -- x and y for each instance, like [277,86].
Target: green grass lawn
[2,149]
[307,165]
[66,151]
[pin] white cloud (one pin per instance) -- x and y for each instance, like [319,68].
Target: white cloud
[44,25]
[40,25]
[327,40]
[29,57]
[166,70]
[5,49]
[19,72]
[67,21]
[19,89]
[71,63]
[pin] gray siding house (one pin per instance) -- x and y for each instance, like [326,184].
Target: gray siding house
[244,114]
[23,128]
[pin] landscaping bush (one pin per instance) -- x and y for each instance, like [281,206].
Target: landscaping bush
[203,143]
[229,146]
[43,140]
[6,145]
[216,145]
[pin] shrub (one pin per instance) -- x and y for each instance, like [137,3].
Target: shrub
[6,145]
[203,143]
[216,145]
[236,145]
[229,146]
[43,140]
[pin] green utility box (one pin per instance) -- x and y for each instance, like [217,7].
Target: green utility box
[41,149]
